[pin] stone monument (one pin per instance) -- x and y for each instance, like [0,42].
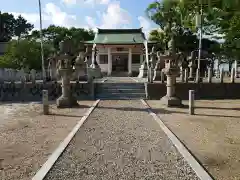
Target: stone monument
[171,70]
[52,67]
[151,65]
[80,63]
[192,66]
[94,71]
[160,64]
[65,70]
[143,70]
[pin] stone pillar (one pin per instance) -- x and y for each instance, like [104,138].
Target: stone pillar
[186,75]
[191,102]
[182,75]
[45,102]
[221,75]
[141,59]
[232,75]
[109,62]
[197,80]
[92,57]
[98,58]
[191,69]
[209,75]
[130,62]
[236,69]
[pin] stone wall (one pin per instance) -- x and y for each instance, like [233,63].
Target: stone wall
[202,90]
[33,92]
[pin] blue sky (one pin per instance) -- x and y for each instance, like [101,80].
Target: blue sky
[84,13]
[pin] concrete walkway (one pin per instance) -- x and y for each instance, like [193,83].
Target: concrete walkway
[120,140]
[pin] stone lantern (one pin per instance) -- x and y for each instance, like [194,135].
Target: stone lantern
[65,70]
[171,70]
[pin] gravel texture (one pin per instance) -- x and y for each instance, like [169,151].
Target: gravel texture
[212,134]
[120,140]
[27,137]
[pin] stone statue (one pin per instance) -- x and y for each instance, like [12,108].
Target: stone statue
[152,61]
[94,58]
[81,63]
[143,70]
[52,66]
[160,64]
[94,71]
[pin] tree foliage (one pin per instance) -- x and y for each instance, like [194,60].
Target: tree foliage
[23,54]
[54,34]
[221,18]
[11,27]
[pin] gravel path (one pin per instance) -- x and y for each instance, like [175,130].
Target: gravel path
[120,140]
[27,137]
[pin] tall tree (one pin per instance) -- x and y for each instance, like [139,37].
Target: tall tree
[54,34]
[21,27]
[7,24]
[10,26]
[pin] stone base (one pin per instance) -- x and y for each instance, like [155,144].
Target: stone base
[63,102]
[142,73]
[94,73]
[171,101]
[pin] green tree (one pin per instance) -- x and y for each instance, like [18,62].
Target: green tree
[23,54]
[10,27]
[169,13]
[7,24]
[54,34]
[21,27]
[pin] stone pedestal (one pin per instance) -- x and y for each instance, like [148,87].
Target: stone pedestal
[170,98]
[66,100]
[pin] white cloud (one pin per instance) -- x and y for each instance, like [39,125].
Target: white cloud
[145,24]
[90,21]
[51,14]
[89,2]
[114,17]
[59,17]
[69,2]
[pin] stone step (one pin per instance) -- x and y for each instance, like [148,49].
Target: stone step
[121,84]
[120,94]
[120,90]
[120,87]
[119,97]
[126,88]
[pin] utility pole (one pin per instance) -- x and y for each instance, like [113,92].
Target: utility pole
[41,40]
[200,39]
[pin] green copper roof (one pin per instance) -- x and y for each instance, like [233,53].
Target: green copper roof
[119,36]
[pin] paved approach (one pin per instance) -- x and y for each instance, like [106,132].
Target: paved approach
[120,140]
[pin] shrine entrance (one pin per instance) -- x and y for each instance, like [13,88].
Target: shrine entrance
[120,63]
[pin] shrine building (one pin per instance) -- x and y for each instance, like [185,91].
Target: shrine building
[120,51]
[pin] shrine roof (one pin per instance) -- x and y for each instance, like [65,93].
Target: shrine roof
[118,36]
